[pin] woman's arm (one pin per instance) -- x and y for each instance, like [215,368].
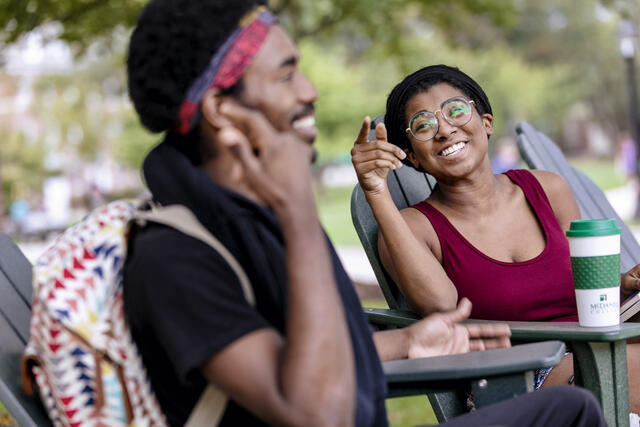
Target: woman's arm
[403,238]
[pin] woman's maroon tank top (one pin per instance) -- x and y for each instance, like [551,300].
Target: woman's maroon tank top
[538,289]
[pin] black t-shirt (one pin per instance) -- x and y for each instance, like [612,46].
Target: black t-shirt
[185,304]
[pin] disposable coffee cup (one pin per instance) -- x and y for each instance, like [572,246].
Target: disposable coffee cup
[594,246]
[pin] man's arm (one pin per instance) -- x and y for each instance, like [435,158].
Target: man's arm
[308,376]
[440,334]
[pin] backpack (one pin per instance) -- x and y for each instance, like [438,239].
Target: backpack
[81,354]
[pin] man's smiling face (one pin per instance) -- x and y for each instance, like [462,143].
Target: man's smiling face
[274,85]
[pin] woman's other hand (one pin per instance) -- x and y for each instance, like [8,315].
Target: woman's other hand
[629,282]
[373,160]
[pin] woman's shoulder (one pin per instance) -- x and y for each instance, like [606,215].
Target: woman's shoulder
[553,184]
[421,226]
[560,196]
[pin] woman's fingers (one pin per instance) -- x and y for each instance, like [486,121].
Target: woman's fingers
[372,165]
[381,132]
[379,146]
[363,135]
[367,156]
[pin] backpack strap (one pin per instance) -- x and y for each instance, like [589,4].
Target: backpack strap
[212,403]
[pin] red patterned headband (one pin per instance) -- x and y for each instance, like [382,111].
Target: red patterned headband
[227,65]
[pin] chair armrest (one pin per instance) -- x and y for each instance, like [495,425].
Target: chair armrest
[477,364]
[389,317]
[568,331]
[521,331]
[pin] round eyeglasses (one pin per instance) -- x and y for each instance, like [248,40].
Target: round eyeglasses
[456,111]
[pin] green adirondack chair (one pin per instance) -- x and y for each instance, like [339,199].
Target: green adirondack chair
[599,353]
[404,378]
[15,311]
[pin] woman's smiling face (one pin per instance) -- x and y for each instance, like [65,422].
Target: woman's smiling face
[453,151]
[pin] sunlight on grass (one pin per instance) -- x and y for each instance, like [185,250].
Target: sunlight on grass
[410,411]
[601,171]
[334,208]
[5,418]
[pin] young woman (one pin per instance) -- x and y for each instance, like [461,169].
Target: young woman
[495,239]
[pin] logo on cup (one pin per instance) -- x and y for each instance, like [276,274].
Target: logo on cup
[603,297]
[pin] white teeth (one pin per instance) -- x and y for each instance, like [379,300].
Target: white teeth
[453,149]
[305,122]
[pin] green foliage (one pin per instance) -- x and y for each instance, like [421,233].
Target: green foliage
[134,142]
[346,96]
[21,169]
[83,20]
[351,90]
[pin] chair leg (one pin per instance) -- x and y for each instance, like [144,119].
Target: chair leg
[497,389]
[601,367]
[447,405]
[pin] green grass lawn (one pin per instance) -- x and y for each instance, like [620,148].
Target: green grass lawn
[5,418]
[601,171]
[334,208]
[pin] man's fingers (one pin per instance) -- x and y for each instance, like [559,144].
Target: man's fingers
[240,147]
[460,313]
[488,330]
[238,113]
[363,135]
[488,344]
[252,123]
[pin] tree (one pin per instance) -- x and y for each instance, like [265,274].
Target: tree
[382,20]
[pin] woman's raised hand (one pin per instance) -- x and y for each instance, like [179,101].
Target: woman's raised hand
[372,160]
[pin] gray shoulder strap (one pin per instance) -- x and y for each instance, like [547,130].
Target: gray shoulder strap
[212,403]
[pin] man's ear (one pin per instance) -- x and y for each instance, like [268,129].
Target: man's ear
[487,122]
[211,109]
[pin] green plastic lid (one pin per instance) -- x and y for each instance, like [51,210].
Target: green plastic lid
[593,227]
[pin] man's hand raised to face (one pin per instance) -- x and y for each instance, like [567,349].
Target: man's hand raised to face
[277,165]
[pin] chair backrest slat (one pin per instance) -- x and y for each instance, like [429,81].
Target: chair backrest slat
[16,267]
[540,152]
[15,313]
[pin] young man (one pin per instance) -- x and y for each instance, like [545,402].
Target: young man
[220,78]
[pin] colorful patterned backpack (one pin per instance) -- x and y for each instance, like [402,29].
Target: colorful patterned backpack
[86,365]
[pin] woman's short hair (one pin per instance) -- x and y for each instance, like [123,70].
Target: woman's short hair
[395,119]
